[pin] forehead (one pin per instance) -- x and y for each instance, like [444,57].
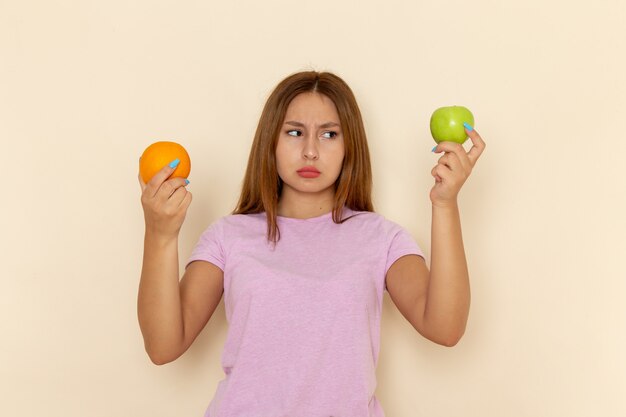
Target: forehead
[312,106]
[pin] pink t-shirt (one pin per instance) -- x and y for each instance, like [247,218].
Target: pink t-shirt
[303,317]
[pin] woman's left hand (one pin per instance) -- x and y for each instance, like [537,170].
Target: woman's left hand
[453,168]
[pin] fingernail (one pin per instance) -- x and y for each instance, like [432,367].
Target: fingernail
[174,163]
[186,181]
[433,150]
[467,126]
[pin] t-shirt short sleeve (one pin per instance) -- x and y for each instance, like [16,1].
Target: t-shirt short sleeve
[210,246]
[402,243]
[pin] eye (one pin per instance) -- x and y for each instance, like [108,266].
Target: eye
[297,132]
[333,135]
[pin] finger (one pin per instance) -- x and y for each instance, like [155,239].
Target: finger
[478,146]
[177,197]
[444,173]
[440,171]
[452,161]
[443,159]
[456,149]
[169,187]
[186,201]
[155,183]
[435,176]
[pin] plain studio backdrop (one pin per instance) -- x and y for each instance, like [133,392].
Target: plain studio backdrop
[85,86]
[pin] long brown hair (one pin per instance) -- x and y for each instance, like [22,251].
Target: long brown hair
[262,185]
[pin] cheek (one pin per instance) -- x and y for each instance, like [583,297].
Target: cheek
[340,155]
[283,160]
[279,154]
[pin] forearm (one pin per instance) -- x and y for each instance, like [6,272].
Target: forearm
[158,304]
[448,300]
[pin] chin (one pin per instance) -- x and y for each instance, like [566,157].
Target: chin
[313,186]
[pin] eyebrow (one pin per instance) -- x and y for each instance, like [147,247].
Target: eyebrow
[323,126]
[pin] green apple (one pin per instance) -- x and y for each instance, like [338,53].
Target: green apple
[446,123]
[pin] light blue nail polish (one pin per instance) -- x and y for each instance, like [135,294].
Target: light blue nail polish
[433,150]
[186,181]
[174,163]
[467,126]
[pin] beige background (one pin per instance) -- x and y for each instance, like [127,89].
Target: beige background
[85,86]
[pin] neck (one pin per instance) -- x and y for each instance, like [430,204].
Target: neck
[304,207]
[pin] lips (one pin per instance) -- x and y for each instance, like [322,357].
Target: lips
[308,172]
[308,169]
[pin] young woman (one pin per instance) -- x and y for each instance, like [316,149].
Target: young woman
[303,262]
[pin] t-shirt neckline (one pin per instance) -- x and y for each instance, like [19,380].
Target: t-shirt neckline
[316,219]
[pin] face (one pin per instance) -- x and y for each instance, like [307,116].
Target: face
[310,137]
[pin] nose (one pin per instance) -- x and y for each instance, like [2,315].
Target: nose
[310,150]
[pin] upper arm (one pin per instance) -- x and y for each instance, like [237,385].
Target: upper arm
[407,284]
[201,289]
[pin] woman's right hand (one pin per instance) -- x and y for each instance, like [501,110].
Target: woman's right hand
[165,202]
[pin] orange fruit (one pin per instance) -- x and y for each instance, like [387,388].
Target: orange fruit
[159,154]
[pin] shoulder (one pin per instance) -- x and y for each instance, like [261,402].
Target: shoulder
[375,220]
[233,224]
[236,220]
